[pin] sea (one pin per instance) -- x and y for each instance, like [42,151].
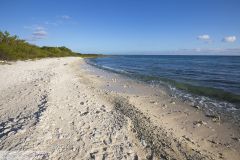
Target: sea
[208,81]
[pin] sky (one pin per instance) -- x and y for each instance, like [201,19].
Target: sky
[127,26]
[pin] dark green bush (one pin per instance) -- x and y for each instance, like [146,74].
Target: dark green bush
[13,48]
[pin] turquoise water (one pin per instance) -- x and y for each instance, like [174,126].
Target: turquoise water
[191,77]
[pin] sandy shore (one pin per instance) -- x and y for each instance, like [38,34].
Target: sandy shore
[62,108]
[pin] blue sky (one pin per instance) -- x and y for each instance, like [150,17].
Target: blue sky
[127,26]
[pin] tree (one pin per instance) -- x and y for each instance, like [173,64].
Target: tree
[1,36]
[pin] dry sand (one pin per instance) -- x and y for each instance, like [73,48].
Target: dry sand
[62,108]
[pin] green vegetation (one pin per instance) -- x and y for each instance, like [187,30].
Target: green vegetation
[13,48]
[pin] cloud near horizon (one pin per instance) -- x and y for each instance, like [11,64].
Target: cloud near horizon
[211,51]
[193,51]
[229,39]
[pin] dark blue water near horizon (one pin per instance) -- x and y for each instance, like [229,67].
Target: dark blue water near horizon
[216,75]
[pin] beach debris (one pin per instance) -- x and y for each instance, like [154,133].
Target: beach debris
[93,154]
[143,142]
[172,102]
[150,153]
[135,157]
[102,109]
[188,139]
[82,103]
[84,113]
[215,118]
[153,102]
[199,123]
[11,133]
[7,130]
[114,80]
[213,141]
[236,139]
[220,155]
[197,107]
[97,111]
[164,106]
[227,145]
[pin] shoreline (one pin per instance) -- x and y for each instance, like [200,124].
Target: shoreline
[199,94]
[225,109]
[99,114]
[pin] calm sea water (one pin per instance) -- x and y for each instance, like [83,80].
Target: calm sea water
[213,77]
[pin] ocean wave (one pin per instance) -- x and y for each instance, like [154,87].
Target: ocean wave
[106,67]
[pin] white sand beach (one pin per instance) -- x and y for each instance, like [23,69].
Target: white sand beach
[63,108]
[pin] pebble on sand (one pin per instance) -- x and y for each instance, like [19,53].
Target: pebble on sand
[199,123]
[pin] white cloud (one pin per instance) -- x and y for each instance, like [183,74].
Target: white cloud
[230,39]
[38,32]
[204,37]
[65,17]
